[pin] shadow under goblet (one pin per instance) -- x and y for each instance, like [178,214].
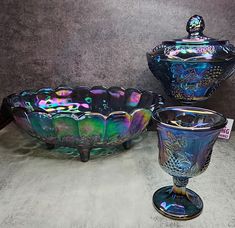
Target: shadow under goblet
[186,138]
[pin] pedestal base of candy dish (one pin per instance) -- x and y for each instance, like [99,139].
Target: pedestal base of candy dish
[176,205]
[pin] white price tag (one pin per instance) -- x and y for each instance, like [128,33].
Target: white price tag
[226,131]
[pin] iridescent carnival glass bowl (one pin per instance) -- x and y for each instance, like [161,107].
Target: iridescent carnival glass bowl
[186,136]
[81,117]
[192,68]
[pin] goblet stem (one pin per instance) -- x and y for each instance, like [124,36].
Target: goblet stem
[179,186]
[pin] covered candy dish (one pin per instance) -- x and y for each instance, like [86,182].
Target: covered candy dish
[191,69]
[81,117]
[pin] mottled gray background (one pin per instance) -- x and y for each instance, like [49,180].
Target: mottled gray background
[92,42]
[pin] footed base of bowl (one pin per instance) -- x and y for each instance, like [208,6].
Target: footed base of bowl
[50,146]
[127,145]
[84,154]
[177,206]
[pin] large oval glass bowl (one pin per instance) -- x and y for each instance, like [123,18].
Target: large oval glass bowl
[83,117]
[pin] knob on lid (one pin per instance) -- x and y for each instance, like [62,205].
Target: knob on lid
[195,46]
[195,27]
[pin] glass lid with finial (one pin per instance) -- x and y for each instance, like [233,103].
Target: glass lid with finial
[195,46]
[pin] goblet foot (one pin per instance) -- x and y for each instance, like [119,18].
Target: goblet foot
[84,154]
[127,145]
[177,206]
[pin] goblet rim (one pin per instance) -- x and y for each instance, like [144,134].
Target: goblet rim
[219,125]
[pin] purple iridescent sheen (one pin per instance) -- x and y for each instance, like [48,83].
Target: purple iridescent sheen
[192,68]
[82,117]
[186,138]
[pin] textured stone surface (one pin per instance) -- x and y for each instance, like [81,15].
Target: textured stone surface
[45,189]
[91,42]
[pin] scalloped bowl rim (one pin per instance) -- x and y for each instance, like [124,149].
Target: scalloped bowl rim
[40,110]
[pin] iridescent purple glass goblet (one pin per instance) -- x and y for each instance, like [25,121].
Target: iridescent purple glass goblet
[186,137]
